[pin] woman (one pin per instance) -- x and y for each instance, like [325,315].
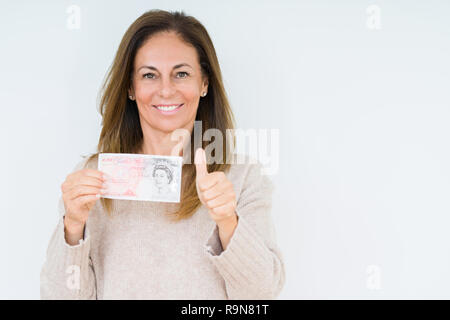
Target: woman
[162,177]
[219,241]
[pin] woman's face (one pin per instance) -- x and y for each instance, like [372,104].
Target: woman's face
[167,72]
[161,178]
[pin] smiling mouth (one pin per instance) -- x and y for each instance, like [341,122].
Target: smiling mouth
[168,108]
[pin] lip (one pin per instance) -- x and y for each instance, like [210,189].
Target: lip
[168,105]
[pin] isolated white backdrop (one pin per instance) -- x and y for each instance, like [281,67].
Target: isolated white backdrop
[361,204]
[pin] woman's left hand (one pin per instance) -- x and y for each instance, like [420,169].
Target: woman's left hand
[215,191]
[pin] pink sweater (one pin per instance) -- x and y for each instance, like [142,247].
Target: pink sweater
[140,254]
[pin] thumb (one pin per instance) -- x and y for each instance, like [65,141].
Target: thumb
[200,163]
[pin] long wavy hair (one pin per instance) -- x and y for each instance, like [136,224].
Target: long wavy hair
[121,130]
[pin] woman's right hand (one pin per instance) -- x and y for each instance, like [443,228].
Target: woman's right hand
[80,191]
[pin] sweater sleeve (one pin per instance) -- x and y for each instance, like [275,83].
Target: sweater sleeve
[67,273]
[252,264]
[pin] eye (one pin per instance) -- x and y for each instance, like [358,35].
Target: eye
[145,75]
[182,72]
[152,76]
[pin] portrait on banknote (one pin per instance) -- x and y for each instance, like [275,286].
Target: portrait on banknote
[141,177]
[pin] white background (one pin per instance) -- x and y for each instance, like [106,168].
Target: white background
[363,115]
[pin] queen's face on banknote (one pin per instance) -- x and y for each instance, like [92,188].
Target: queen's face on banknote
[167,83]
[141,177]
[162,180]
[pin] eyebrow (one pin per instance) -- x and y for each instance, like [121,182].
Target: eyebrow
[175,67]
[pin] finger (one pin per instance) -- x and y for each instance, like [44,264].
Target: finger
[216,190]
[82,191]
[84,181]
[225,210]
[208,182]
[81,179]
[90,173]
[86,200]
[90,181]
[220,200]
[200,163]
[94,173]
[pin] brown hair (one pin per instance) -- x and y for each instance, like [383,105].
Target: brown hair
[121,129]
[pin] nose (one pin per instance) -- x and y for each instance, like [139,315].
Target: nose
[167,87]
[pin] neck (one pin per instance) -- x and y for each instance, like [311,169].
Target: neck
[161,143]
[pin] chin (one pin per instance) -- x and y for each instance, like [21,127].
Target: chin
[169,127]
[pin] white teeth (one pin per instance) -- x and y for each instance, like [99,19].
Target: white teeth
[167,108]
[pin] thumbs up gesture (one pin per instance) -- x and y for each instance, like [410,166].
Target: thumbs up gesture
[214,190]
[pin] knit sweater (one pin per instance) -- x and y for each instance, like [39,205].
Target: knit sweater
[139,253]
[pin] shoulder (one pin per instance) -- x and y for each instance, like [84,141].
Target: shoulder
[247,171]
[247,165]
[89,161]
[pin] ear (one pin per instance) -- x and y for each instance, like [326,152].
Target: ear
[205,84]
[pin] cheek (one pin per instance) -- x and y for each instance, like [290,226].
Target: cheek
[144,93]
[189,92]
[192,97]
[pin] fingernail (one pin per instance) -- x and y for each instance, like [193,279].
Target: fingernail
[97,195]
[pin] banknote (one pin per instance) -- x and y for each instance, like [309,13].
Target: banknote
[141,177]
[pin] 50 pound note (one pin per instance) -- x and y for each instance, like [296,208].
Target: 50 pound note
[141,177]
